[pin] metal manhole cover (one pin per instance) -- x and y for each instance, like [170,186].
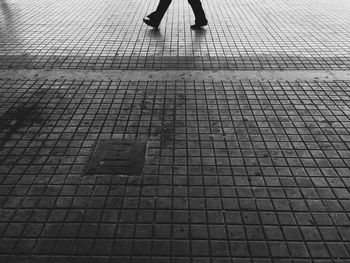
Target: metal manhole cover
[118,157]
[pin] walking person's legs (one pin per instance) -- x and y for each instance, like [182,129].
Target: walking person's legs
[156,17]
[199,14]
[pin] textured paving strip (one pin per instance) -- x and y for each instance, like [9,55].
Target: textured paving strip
[181,75]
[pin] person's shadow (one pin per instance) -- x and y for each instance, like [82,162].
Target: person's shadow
[7,24]
[154,34]
[198,37]
[7,14]
[158,42]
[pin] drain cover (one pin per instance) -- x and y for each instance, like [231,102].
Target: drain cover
[118,157]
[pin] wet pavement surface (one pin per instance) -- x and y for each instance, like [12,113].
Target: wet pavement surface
[240,166]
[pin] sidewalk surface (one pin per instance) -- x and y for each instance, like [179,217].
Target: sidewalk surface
[253,167]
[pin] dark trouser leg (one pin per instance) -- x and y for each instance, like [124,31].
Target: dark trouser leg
[157,15]
[198,12]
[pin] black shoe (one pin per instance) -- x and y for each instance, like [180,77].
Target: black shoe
[199,26]
[151,23]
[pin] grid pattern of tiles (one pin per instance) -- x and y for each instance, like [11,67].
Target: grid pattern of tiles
[236,172]
[242,34]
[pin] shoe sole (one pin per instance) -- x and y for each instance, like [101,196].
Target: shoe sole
[198,27]
[150,24]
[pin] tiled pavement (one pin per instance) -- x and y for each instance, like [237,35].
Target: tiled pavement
[108,34]
[241,171]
